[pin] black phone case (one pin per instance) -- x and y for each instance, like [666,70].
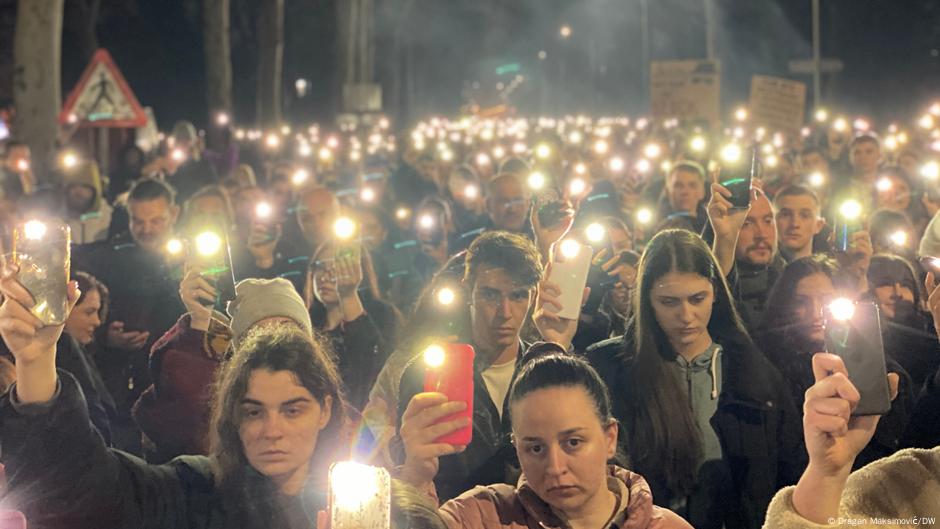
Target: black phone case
[858,342]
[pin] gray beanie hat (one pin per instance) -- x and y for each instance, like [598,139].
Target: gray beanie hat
[257,299]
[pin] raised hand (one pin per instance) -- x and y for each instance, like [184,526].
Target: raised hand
[419,430]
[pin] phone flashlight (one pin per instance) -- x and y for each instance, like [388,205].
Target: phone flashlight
[899,238]
[174,247]
[178,155]
[821,115]
[402,213]
[34,230]
[263,210]
[446,296]
[601,147]
[69,160]
[299,177]
[359,496]
[652,150]
[595,232]
[272,141]
[731,153]
[580,168]
[644,216]
[816,179]
[426,221]
[840,125]
[471,191]
[850,210]
[575,137]
[740,114]
[570,248]
[222,119]
[434,356]
[930,170]
[536,180]
[643,165]
[483,159]
[22,165]
[577,186]
[617,164]
[208,243]
[543,151]
[325,154]
[842,309]
[883,184]
[344,228]
[698,144]
[367,194]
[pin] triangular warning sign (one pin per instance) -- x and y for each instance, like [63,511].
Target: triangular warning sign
[102,98]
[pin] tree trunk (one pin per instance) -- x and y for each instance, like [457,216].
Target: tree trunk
[37,91]
[270,62]
[217,49]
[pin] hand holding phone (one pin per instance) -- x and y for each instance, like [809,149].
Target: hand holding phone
[41,252]
[359,496]
[449,371]
[853,333]
[569,272]
[739,181]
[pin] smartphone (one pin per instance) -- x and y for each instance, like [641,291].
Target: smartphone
[570,273]
[739,181]
[359,496]
[931,264]
[601,282]
[210,252]
[858,341]
[449,370]
[42,251]
[843,231]
[551,213]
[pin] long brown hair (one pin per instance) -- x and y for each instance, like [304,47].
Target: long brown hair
[663,437]
[274,347]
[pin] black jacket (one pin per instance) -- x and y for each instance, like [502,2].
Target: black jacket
[61,475]
[756,423]
[490,457]
[923,428]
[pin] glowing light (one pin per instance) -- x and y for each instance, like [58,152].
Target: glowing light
[771,161]
[402,213]
[325,154]
[299,177]
[617,164]
[22,165]
[536,180]
[731,153]
[862,125]
[577,186]
[644,216]
[601,147]
[222,119]
[840,125]
[174,247]
[850,209]
[580,168]
[652,150]
[354,485]
[483,159]
[643,165]
[272,141]
[930,170]
[434,355]
[575,137]
[499,152]
[817,179]
[367,194]
[543,151]
[72,119]
[821,115]
[426,221]
[471,191]
[891,143]
[69,160]
[899,238]
[178,155]
[570,248]
[344,228]
[208,243]
[698,144]
[740,114]
[34,230]
[842,309]
[519,147]
[926,122]
[446,296]
[883,184]
[565,31]
[595,232]
[447,155]
[263,210]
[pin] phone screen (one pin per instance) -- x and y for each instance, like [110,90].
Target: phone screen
[739,181]
[858,341]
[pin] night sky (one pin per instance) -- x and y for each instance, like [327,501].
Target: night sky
[891,51]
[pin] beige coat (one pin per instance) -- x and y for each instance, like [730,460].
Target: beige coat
[901,491]
[506,507]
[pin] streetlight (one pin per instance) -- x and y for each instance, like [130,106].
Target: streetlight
[565,31]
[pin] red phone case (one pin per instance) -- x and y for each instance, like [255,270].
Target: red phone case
[455,380]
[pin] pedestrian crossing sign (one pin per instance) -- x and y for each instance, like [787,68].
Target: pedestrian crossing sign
[102,98]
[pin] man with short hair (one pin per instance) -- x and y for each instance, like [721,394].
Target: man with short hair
[194,171]
[746,249]
[865,157]
[684,192]
[144,303]
[799,220]
[507,208]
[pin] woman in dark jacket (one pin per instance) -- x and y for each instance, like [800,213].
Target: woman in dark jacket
[277,407]
[909,334]
[360,326]
[705,418]
[795,330]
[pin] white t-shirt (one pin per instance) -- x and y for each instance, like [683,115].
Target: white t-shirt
[497,378]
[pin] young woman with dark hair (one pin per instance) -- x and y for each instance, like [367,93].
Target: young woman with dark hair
[278,406]
[706,418]
[795,330]
[564,436]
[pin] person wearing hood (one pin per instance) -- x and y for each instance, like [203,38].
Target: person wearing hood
[194,171]
[87,212]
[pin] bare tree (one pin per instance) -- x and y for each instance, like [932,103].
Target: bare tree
[217,49]
[37,91]
[270,62]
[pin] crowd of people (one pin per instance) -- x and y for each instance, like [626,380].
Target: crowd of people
[248,307]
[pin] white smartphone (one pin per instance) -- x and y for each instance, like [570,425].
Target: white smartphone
[360,496]
[570,271]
